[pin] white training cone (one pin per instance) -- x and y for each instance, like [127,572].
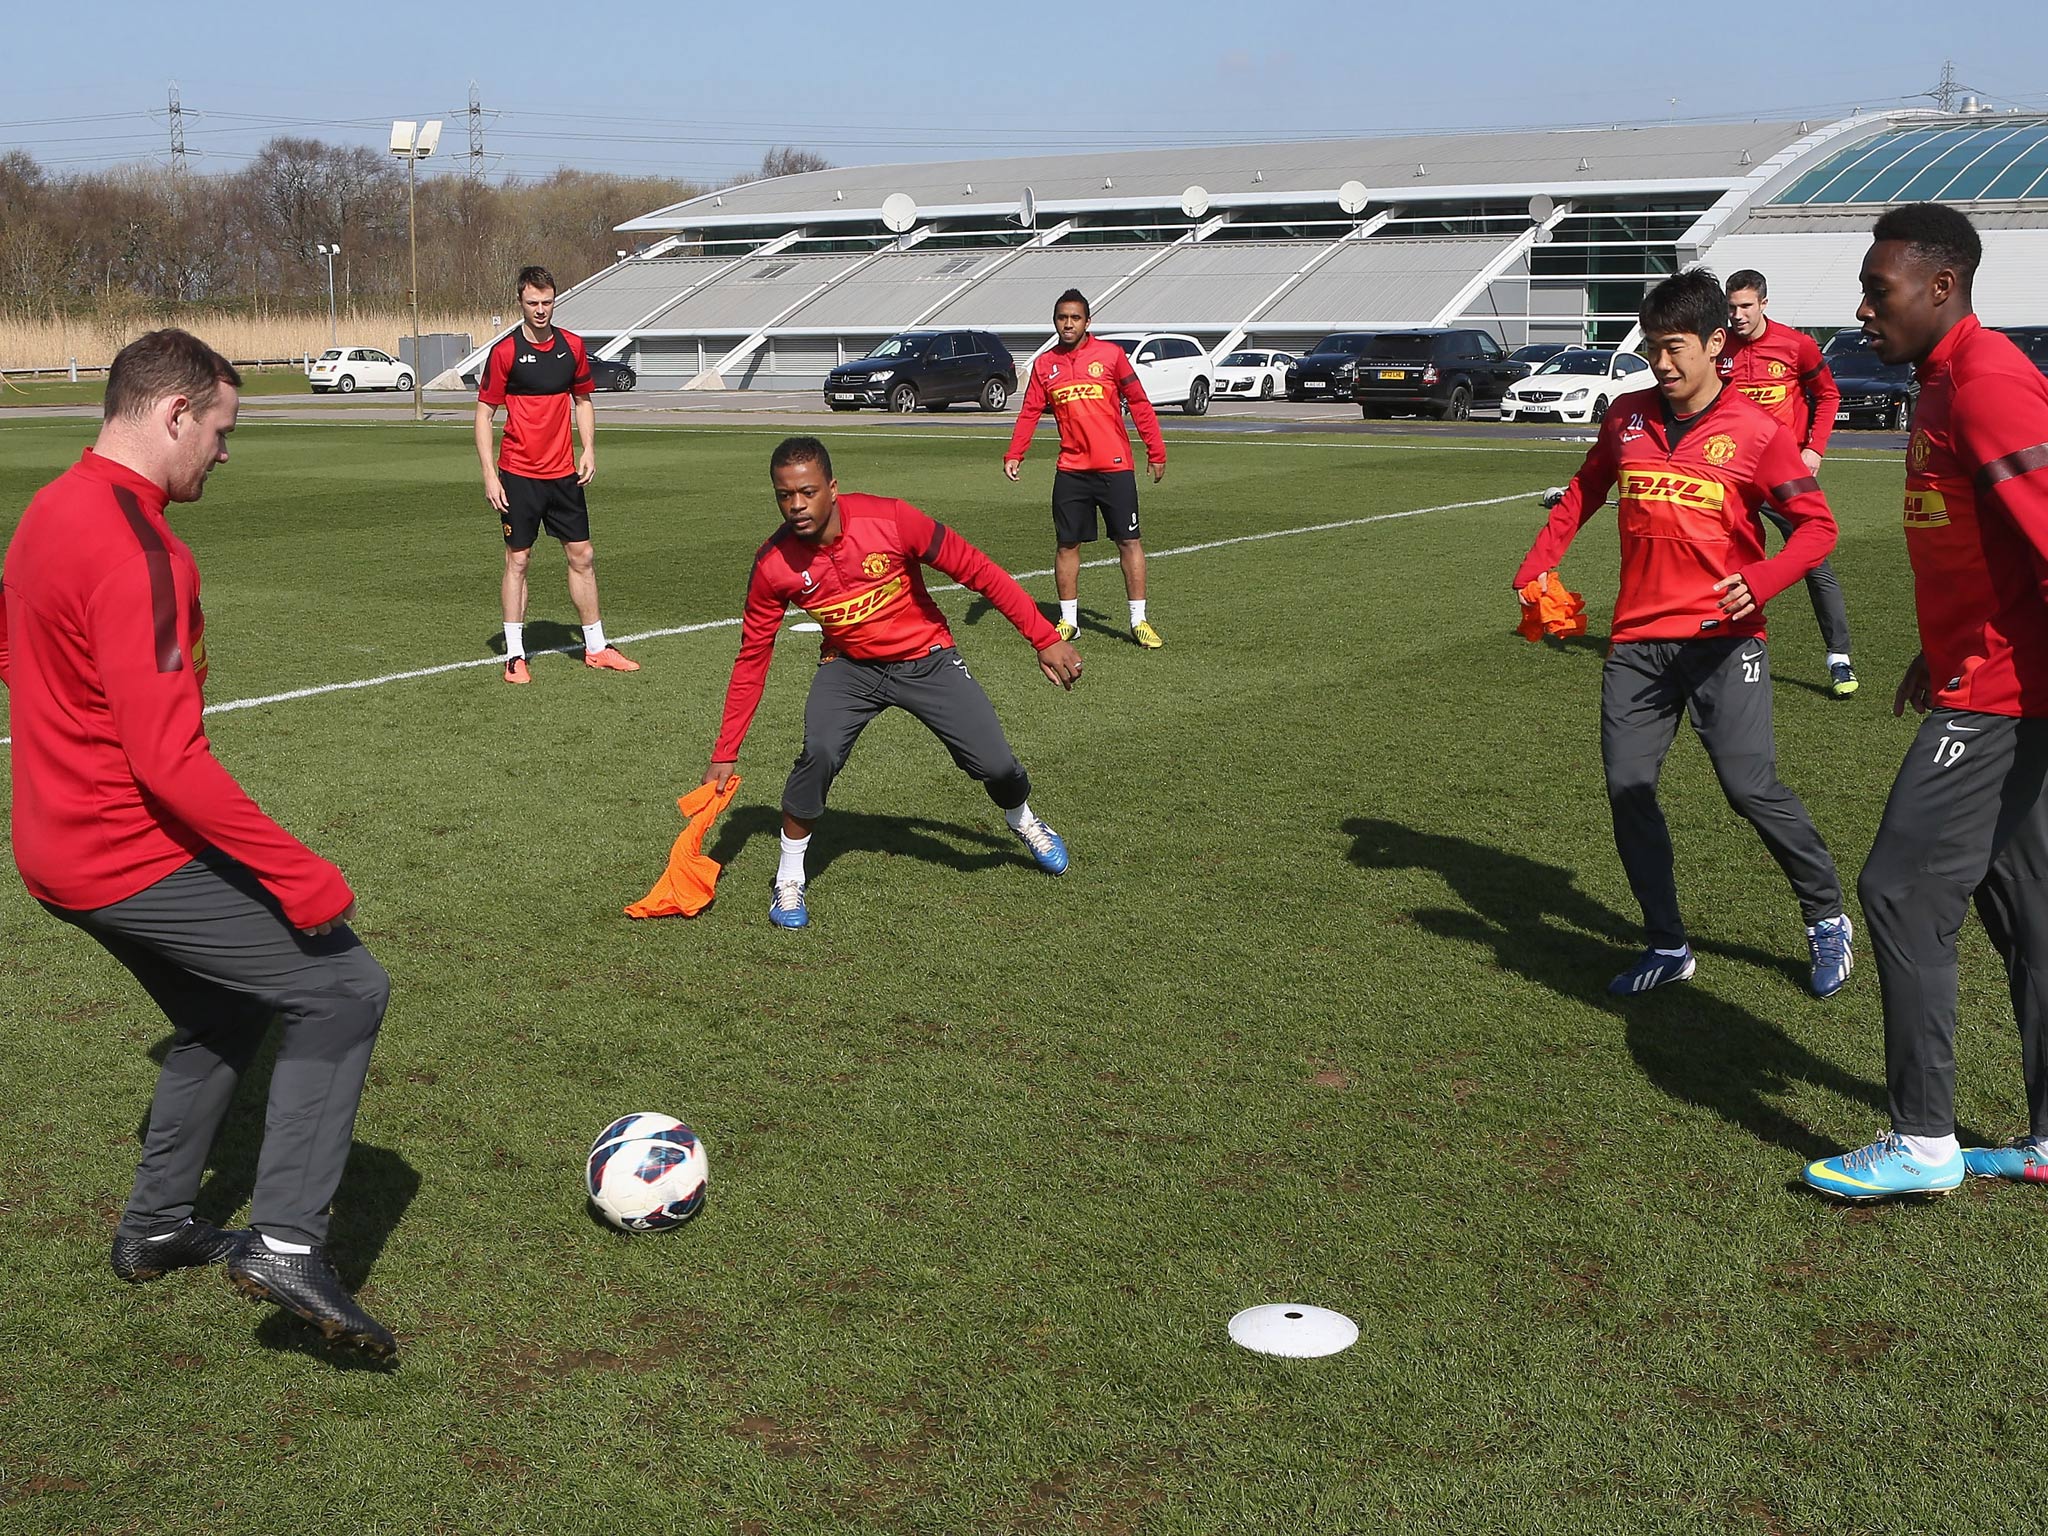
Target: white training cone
[1299,1332]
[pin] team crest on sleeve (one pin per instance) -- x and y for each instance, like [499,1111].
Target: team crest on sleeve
[1720,448]
[1095,370]
[1918,450]
[875,564]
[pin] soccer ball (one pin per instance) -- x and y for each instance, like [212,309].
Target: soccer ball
[646,1173]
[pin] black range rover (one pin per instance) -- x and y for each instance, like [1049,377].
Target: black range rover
[931,369]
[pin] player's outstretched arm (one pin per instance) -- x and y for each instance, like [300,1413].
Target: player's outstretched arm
[1029,409]
[1782,478]
[1578,501]
[946,551]
[718,773]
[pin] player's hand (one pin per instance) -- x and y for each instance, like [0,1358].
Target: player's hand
[345,917]
[1061,663]
[1542,585]
[1812,460]
[718,773]
[1551,497]
[1737,601]
[1159,471]
[586,466]
[494,492]
[1012,467]
[1913,689]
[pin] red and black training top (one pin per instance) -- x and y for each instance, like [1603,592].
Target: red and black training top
[1784,372]
[536,385]
[103,651]
[1089,387]
[1688,515]
[1977,523]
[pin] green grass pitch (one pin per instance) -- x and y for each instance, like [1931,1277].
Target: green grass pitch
[1317,1016]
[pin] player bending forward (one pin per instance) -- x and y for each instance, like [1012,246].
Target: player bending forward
[1691,465]
[852,562]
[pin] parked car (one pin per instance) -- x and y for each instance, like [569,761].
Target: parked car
[1537,353]
[1263,374]
[1875,393]
[348,369]
[1174,369]
[1577,385]
[1443,373]
[608,373]
[928,370]
[1327,370]
[2032,340]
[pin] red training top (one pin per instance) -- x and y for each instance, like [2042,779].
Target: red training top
[1688,515]
[1977,523]
[103,651]
[867,592]
[1783,371]
[535,384]
[1087,387]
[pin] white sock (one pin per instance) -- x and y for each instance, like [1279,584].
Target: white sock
[593,637]
[1070,611]
[1827,922]
[1137,610]
[275,1246]
[2038,1145]
[792,865]
[1835,657]
[165,1237]
[1672,953]
[515,639]
[1932,1149]
[1019,816]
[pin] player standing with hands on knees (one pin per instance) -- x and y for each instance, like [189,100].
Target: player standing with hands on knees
[1089,384]
[126,826]
[854,563]
[1691,465]
[534,482]
[1968,812]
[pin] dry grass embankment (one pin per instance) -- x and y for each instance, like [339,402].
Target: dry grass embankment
[48,341]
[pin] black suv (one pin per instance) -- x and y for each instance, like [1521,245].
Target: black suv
[931,369]
[1325,371]
[1875,393]
[1434,372]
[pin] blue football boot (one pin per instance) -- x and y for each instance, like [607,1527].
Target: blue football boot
[1653,970]
[1048,848]
[2019,1160]
[1884,1170]
[787,909]
[1828,943]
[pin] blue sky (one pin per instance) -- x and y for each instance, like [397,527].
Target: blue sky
[700,91]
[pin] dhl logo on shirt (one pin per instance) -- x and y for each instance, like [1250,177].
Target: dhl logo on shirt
[1926,509]
[846,612]
[1768,396]
[1675,490]
[1067,394]
[199,658]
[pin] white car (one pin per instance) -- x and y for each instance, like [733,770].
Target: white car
[1173,368]
[1248,374]
[351,368]
[1577,385]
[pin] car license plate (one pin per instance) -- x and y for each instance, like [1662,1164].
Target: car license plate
[1315,384]
[845,395]
[1395,374]
[1840,417]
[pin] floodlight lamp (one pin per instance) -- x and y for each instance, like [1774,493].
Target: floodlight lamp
[430,136]
[402,132]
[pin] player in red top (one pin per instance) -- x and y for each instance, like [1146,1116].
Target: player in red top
[1967,814]
[535,373]
[1089,384]
[128,827]
[1688,635]
[854,564]
[1782,370]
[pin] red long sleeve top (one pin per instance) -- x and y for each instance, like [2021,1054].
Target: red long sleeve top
[103,651]
[1977,524]
[1783,371]
[1088,387]
[1688,515]
[866,590]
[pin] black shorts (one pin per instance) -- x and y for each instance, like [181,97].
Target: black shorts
[1076,493]
[529,504]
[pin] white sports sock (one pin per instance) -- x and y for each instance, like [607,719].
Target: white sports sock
[1672,953]
[165,1237]
[1019,816]
[1932,1149]
[593,637]
[792,865]
[1137,610]
[1070,611]
[515,639]
[2038,1145]
[1838,656]
[275,1246]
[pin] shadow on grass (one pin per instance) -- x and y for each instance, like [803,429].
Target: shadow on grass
[839,832]
[540,635]
[1092,620]
[1693,1046]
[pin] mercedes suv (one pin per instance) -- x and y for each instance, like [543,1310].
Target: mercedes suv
[928,369]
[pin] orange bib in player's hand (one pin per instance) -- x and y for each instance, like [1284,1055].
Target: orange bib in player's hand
[691,879]
[1551,608]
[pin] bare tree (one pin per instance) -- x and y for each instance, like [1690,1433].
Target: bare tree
[788,160]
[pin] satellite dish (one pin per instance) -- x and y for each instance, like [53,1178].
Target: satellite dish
[1542,234]
[1027,209]
[1351,197]
[1195,202]
[1541,207]
[899,212]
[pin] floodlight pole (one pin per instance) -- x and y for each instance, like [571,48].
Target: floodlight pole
[330,251]
[412,169]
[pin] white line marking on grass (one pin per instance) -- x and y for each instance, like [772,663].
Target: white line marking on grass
[317,689]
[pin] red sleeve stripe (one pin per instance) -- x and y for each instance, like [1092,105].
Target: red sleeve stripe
[2024,462]
[163,592]
[1780,494]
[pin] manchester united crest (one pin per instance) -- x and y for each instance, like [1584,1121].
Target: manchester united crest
[1095,370]
[1776,369]
[875,564]
[1720,448]
[1917,450]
